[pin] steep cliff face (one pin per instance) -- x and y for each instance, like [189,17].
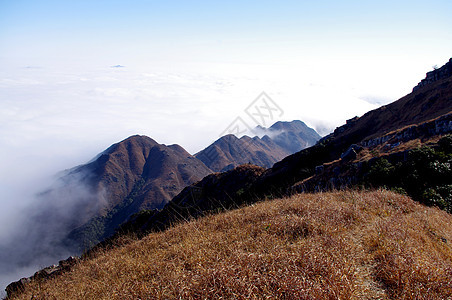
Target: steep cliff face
[416,160]
[426,103]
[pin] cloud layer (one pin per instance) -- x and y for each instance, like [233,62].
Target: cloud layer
[55,118]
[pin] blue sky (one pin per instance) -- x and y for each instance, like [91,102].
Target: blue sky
[196,64]
[97,31]
[190,69]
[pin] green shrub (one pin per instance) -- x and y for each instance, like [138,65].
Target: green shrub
[445,144]
[432,198]
[426,174]
[381,173]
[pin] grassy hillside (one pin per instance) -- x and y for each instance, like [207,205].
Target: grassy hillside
[340,245]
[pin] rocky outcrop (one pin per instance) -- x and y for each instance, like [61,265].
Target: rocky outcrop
[48,272]
[435,75]
[350,170]
[439,126]
[351,153]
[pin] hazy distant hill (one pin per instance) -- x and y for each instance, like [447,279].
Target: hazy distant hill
[134,174]
[277,142]
[157,172]
[293,136]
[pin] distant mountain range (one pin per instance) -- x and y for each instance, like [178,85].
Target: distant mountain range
[140,174]
[381,148]
[275,143]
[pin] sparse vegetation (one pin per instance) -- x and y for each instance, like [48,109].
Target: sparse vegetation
[340,245]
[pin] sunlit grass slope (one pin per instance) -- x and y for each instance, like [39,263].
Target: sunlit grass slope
[340,245]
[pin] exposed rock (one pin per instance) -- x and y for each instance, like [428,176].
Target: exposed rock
[67,263]
[439,126]
[435,75]
[351,153]
[319,169]
[17,286]
[48,272]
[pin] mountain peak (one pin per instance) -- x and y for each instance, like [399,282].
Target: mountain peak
[288,124]
[138,138]
[134,174]
[131,144]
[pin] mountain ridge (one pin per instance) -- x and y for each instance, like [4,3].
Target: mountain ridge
[138,173]
[268,146]
[340,148]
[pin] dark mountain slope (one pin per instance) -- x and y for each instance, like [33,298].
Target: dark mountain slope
[426,103]
[116,170]
[216,192]
[165,170]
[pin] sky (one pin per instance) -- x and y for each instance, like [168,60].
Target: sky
[78,76]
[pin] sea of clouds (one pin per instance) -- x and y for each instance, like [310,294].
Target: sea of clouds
[55,118]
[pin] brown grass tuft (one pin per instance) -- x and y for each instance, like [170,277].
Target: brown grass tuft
[341,245]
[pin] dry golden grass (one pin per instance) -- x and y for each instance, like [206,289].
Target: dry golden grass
[340,245]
